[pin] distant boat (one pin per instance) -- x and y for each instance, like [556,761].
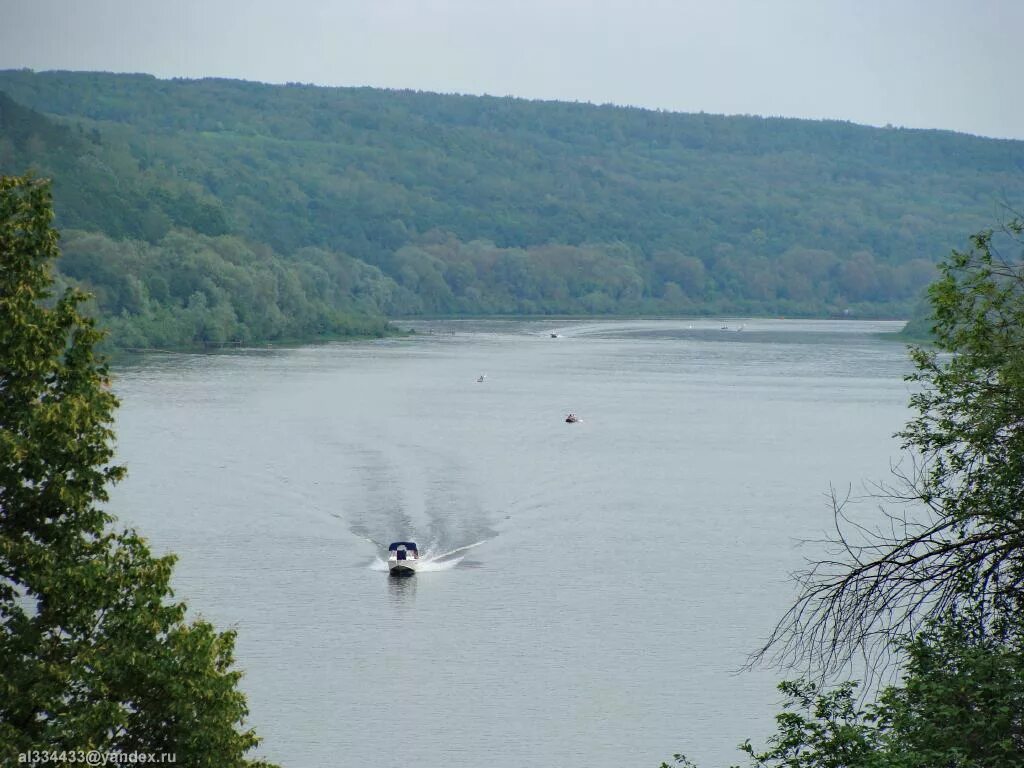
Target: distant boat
[572,418]
[554,336]
[403,558]
[480,378]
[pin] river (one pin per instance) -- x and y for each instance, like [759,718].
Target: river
[628,564]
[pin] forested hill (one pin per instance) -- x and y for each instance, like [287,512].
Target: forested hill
[462,204]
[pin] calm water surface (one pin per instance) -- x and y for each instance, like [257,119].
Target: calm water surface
[629,564]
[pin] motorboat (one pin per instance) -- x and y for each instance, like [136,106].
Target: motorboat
[480,378]
[572,418]
[403,558]
[554,336]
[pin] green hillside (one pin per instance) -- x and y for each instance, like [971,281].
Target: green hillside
[154,251]
[461,204]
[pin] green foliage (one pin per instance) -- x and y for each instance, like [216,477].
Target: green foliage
[465,203]
[962,701]
[818,730]
[918,329]
[971,406]
[969,426]
[101,185]
[191,290]
[93,654]
[960,704]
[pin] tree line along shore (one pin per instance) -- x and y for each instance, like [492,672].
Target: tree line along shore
[204,213]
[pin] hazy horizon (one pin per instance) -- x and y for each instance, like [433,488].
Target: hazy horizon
[517,98]
[931,65]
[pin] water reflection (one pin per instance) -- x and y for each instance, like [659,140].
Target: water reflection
[401,590]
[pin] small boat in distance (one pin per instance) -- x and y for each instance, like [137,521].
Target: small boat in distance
[403,558]
[554,336]
[480,378]
[572,418]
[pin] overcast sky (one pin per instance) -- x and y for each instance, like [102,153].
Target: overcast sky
[914,63]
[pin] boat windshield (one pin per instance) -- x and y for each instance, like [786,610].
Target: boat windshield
[403,549]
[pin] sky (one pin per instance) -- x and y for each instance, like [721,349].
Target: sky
[949,64]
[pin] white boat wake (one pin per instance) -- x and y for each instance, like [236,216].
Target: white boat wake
[424,565]
[428,561]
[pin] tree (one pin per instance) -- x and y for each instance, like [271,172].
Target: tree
[819,729]
[960,704]
[962,698]
[955,542]
[94,654]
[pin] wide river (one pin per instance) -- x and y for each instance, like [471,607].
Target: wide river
[629,562]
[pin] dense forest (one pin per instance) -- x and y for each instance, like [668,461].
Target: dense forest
[211,211]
